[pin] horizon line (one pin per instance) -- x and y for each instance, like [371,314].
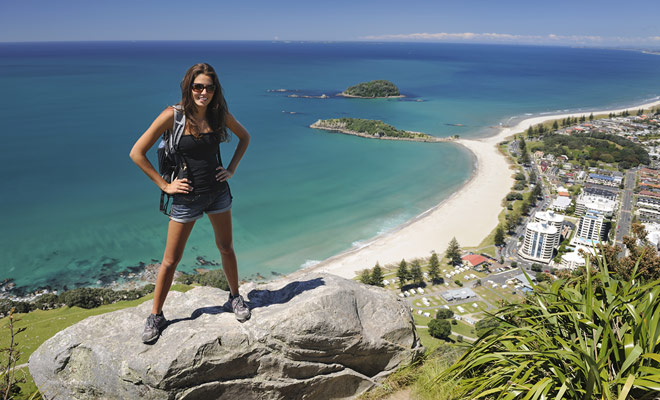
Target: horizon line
[287,41]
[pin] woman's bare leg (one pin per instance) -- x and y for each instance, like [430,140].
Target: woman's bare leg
[177,236]
[222,228]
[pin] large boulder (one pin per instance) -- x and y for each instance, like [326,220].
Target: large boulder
[313,337]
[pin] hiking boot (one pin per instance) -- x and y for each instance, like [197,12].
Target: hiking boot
[153,327]
[241,310]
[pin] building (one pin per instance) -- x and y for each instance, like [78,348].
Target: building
[561,203]
[540,239]
[653,233]
[607,180]
[599,204]
[475,260]
[571,260]
[458,294]
[551,218]
[575,258]
[599,192]
[591,230]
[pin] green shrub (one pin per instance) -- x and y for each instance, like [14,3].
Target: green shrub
[439,328]
[215,278]
[444,313]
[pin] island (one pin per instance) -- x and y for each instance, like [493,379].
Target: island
[372,90]
[372,129]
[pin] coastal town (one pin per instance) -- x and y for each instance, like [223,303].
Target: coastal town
[574,205]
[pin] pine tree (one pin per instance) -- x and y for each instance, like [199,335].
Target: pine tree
[555,125]
[377,276]
[434,268]
[521,144]
[499,236]
[416,275]
[402,273]
[591,117]
[365,277]
[453,252]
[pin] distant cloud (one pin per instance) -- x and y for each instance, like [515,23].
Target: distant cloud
[509,38]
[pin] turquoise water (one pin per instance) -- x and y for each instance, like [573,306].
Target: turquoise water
[78,211]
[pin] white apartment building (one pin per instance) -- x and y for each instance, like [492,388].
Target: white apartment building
[599,204]
[590,230]
[551,218]
[540,239]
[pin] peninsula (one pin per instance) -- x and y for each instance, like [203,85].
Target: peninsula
[372,129]
[372,90]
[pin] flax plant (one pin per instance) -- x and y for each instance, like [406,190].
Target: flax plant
[588,337]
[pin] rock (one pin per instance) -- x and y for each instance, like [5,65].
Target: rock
[316,336]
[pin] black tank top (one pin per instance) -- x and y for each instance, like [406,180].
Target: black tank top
[201,157]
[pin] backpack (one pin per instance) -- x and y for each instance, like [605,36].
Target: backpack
[170,162]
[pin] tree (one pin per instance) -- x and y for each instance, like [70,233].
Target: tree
[532,177]
[416,275]
[524,158]
[530,132]
[499,236]
[591,117]
[537,267]
[541,277]
[521,144]
[555,125]
[365,276]
[434,268]
[484,325]
[439,328]
[444,313]
[453,252]
[402,273]
[377,276]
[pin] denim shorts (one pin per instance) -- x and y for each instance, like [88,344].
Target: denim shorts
[189,208]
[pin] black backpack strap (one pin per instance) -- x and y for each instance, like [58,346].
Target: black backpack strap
[178,127]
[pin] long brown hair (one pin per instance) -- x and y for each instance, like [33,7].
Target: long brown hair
[217,108]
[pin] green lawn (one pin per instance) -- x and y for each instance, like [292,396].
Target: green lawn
[464,329]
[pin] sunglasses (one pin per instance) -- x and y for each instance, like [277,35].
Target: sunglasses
[199,87]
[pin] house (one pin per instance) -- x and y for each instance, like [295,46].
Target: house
[475,260]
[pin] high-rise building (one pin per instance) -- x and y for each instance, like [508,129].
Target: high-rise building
[540,239]
[551,218]
[591,229]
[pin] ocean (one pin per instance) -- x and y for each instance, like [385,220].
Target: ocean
[78,212]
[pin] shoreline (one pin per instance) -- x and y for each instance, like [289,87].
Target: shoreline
[471,212]
[342,94]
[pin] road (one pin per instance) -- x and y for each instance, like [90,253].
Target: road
[624,220]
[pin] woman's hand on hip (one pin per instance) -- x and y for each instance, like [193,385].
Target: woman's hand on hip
[178,186]
[223,174]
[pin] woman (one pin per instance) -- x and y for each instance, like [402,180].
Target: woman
[203,189]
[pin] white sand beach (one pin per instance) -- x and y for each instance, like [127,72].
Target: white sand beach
[470,214]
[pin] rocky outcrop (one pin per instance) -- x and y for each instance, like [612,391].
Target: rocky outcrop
[315,337]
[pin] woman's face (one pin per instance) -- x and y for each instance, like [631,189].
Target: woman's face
[203,97]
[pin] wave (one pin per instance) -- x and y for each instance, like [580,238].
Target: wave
[309,263]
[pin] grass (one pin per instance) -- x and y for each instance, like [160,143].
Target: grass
[463,329]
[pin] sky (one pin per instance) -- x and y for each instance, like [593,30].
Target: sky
[634,23]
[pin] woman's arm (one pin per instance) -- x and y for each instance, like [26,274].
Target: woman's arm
[139,153]
[243,142]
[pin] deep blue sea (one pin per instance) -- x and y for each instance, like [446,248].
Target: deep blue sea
[78,212]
